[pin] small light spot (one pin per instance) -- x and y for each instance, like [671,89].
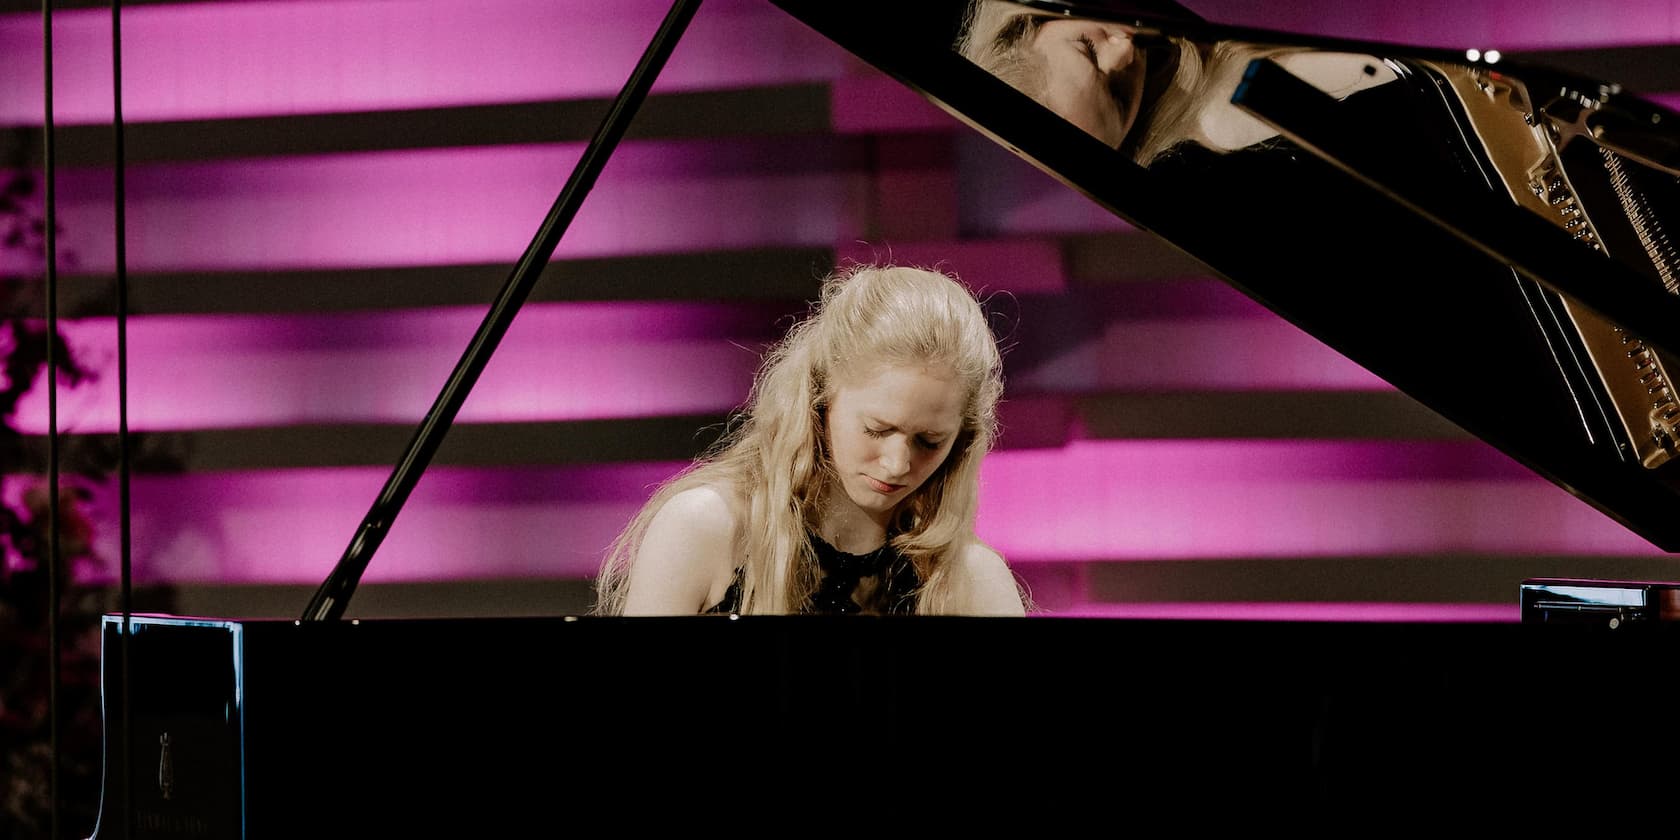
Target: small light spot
[1473,55]
[1492,56]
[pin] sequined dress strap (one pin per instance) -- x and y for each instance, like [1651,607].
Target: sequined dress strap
[841,573]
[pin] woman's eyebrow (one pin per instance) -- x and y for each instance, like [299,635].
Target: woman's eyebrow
[884,426]
[1014,31]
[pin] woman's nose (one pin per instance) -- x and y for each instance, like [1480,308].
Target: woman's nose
[1115,51]
[895,458]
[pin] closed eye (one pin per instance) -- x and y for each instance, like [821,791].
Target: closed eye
[1088,48]
[930,445]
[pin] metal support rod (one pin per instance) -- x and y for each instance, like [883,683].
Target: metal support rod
[330,600]
[119,157]
[55,643]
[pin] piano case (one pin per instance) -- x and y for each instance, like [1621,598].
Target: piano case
[470,727]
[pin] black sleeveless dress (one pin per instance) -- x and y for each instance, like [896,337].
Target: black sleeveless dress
[841,574]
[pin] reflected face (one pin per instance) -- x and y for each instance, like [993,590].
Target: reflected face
[1094,75]
[890,430]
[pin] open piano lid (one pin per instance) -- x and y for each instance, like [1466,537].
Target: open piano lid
[1489,237]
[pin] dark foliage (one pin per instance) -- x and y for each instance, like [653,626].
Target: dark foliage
[25,659]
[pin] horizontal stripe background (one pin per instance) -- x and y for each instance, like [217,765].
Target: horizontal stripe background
[315,230]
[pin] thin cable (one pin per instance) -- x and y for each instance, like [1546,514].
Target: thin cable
[119,157]
[54,643]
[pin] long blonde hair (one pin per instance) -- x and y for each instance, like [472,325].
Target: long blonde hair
[774,459]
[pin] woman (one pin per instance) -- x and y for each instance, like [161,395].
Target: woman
[850,483]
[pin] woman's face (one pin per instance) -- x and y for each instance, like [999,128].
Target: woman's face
[889,431]
[1094,75]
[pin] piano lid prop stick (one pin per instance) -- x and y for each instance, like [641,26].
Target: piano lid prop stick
[330,600]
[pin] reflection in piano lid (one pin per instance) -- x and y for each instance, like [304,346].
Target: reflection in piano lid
[1491,237]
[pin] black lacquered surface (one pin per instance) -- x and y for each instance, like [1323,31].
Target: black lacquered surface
[1402,245]
[388,727]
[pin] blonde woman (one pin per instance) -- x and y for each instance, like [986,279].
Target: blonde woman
[850,483]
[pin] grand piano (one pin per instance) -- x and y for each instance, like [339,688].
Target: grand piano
[1488,236]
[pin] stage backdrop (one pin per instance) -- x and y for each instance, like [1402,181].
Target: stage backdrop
[324,195]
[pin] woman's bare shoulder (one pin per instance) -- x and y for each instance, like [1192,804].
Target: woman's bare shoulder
[987,582]
[708,509]
[687,556]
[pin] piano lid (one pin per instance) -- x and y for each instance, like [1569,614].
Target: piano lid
[1491,237]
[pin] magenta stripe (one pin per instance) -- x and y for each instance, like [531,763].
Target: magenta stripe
[1191,499]
[1298,611]
[1500,24]
[616,359]
[291,526]
[989,267]
[1232,353]
[1109,501]
[480,205]
[203,61]
[557,362]
[269,57]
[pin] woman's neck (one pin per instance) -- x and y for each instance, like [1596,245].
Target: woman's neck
[846,526]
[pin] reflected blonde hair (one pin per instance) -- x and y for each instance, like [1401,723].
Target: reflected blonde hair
[773,463]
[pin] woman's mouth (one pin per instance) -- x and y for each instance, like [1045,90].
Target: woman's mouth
[882,486]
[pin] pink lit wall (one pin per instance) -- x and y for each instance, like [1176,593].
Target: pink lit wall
[1499,24]
[442,206]
[219,60]
[557,362]
[204,60]
[291,526]
[1202,499]
[1302,611]
[1088,502]
[577,361]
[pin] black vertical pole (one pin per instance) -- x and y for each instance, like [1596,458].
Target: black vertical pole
[120,205]
[54,643]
